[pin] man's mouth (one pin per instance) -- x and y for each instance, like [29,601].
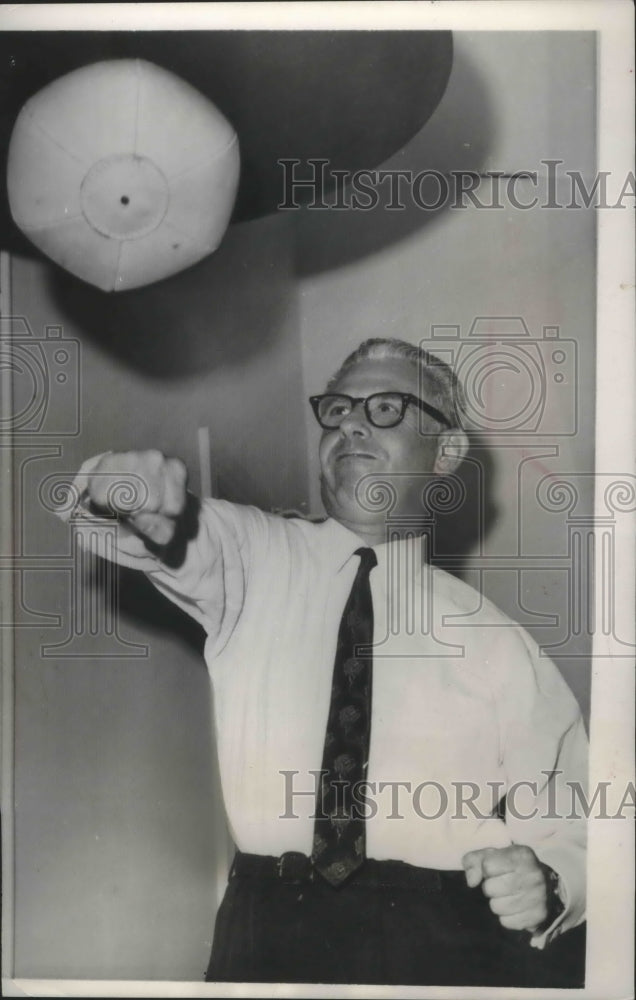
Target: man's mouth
[354,454]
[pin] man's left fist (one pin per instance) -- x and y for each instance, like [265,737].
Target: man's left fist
[515,882]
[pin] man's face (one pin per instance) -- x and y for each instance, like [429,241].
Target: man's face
[357,449]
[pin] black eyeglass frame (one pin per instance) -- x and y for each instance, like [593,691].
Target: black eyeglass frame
[405,397]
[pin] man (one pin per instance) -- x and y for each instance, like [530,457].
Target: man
[432,849]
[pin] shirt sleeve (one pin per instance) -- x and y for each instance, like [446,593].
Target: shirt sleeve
[545,756]
[209,584]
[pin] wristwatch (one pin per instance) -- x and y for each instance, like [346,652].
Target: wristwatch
[556,905]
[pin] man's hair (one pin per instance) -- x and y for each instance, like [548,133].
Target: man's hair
[438,377]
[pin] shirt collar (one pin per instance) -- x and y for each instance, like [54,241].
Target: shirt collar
[341,543]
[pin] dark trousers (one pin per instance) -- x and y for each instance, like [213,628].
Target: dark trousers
[390,923]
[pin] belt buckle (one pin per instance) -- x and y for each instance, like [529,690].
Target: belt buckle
[292,867]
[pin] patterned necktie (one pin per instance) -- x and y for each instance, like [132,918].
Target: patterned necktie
[339,832]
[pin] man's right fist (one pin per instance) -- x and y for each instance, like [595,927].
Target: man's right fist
[145,487]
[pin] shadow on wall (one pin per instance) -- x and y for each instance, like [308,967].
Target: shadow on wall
[458,137]
[228,307]
[465,511]
[140,601]
[232,305]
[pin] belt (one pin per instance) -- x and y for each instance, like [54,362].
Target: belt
[295,868]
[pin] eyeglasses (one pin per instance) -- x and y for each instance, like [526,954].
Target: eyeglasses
[382,409]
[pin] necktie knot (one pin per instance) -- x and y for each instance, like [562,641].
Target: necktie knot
[368,558]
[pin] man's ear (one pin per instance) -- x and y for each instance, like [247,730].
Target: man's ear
[452,446]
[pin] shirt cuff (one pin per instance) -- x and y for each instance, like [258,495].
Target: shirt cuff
[75,498]
[569,865]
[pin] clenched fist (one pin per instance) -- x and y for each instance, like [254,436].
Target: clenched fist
[145,488]
[515,882]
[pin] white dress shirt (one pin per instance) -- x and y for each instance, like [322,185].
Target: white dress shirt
[461,695]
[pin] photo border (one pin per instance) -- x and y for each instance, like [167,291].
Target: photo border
[610,866]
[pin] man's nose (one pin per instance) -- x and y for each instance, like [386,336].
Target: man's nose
[356,421]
